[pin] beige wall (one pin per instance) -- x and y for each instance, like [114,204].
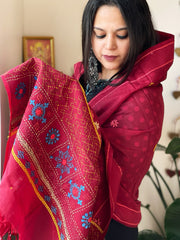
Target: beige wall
[62,19]
[11,30]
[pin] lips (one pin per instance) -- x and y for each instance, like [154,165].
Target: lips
[109,58]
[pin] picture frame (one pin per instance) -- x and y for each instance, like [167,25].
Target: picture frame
[40,47]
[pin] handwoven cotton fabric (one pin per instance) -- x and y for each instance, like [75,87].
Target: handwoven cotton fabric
[131,116]
[55,180]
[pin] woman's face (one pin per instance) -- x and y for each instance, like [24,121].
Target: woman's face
[110,40]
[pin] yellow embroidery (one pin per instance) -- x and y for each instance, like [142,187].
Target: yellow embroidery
[151,84]
[97,226]
[91,116]
[155,148]
[36,191]
[97,125]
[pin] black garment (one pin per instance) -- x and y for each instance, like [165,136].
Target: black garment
[93,91]
[117,231]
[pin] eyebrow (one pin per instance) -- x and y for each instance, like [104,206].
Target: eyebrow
[119,29]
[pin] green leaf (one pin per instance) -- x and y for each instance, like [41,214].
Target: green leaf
[172,221]
[174,146]
[149,235]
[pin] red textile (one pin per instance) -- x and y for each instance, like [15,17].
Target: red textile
[54,184]
[131,116]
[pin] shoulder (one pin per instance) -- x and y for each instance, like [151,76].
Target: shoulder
[144,109]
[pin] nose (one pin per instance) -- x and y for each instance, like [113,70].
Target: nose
[110,42]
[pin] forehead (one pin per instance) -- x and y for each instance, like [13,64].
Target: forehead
[108,16]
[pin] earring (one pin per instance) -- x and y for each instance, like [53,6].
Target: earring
[92,69]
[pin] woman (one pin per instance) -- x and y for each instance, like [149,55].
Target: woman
[54,184]
[124,61]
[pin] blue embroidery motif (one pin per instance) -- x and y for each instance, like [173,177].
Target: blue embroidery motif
[59,223]
[27,164]
[75,192]
[62,236]
[20,90]
[53,209]
[35,87]
[20,154]
[86,220]
[64,162]
[38,111]
[52,136]
[40,188]
[36,180]
[47,198]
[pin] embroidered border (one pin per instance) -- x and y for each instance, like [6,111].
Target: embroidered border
[36,192]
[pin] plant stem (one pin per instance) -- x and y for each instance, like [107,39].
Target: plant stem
[177,174]
[156,176]
[159,191]
[155,219]
[164,181]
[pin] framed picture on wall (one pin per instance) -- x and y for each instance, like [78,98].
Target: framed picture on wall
[40,47]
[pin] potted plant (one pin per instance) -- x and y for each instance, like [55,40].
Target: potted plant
[171,229]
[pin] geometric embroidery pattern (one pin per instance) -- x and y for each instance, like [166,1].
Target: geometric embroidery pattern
[57,117]
[53,209]
[20,90]
[64,162]
[47,198]
[27,164]
[52,136]
[59,222]
[40,189]
[62,236]
[75,192]
[38,111]
[86,220]
[20,154]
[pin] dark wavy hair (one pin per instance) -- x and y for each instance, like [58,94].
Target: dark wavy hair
[141,32]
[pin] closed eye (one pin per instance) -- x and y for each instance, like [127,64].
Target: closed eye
[122,37]
[100,36]
[118,36]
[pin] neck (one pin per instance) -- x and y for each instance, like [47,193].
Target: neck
[107,74]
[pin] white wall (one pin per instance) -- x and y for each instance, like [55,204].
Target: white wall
[11,29]
[62,19]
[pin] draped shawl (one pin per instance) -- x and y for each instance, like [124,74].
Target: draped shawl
[131,116]
[55,180]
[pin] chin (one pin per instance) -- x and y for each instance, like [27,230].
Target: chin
[112,69]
